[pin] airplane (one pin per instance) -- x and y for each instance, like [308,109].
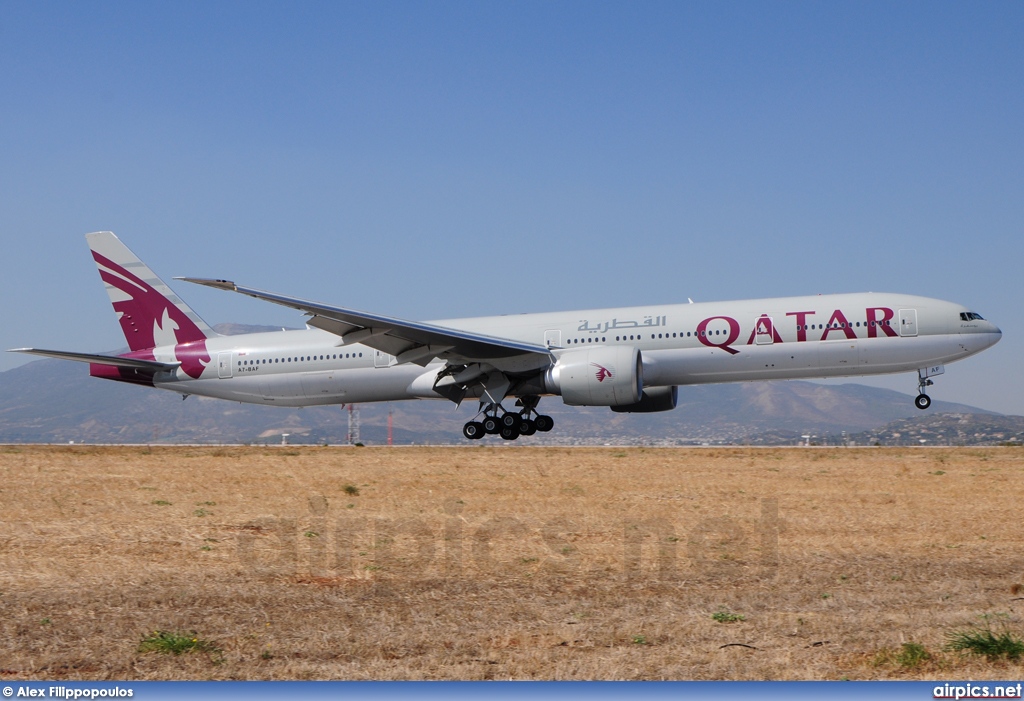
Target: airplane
[630,359]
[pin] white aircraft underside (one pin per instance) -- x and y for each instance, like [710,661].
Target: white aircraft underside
[629,359]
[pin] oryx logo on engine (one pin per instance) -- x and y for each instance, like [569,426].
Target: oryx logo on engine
[603,373]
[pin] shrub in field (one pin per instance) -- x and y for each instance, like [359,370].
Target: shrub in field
[912,654]
[909,655]
[980,640]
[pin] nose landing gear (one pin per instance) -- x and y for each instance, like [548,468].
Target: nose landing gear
[923,401]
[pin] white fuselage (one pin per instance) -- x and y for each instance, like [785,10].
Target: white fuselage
[680,344]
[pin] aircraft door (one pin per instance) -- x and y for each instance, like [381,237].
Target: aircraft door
[908,322]
[553,338]
[381,359]
[224,369]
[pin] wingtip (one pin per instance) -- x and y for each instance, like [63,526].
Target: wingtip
[219,284]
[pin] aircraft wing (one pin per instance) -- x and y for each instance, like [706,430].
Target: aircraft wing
[116,361]
[408,341]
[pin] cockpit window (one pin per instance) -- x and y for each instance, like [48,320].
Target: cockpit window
[970,316]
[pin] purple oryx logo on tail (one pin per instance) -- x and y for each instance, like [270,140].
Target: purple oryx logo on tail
[149,319]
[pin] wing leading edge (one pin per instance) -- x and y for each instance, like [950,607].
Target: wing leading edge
[408,341]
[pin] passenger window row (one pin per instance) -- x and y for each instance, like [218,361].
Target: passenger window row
[299,359]
[719,332]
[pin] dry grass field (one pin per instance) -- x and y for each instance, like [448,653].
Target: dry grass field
[507,562]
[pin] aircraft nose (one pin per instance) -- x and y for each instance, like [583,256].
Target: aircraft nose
[994,334]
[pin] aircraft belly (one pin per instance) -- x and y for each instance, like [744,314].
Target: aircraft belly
[380,384]
[906,354]
[306,389]
[841,355]
[836,358]
[238,389]
[323,384]
[701,365]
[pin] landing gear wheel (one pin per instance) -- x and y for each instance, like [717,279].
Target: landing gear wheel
[509,420]
[526,427]
[923,401]
[473,430]
[544,423]
[509,433]
[491,424]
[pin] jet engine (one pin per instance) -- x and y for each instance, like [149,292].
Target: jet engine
[602,376]
[653,399]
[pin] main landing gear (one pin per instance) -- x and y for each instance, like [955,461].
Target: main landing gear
[508,424]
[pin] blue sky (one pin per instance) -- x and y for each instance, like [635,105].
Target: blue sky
[431,160]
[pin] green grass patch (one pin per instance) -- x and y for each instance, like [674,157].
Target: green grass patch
[171,643]
[724,615]
[162,502]
[351,490]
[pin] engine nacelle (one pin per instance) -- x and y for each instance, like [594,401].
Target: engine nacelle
[653,399]
[602,376]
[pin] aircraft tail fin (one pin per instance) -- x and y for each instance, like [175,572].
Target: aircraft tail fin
[150,314]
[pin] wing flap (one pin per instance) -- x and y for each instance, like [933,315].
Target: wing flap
[338,328]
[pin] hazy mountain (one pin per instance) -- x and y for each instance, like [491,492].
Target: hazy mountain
[55,401]
[952,429]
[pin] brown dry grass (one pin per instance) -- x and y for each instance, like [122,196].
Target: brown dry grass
[481,563]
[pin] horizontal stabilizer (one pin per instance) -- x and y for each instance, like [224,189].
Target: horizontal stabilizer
[116,361]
